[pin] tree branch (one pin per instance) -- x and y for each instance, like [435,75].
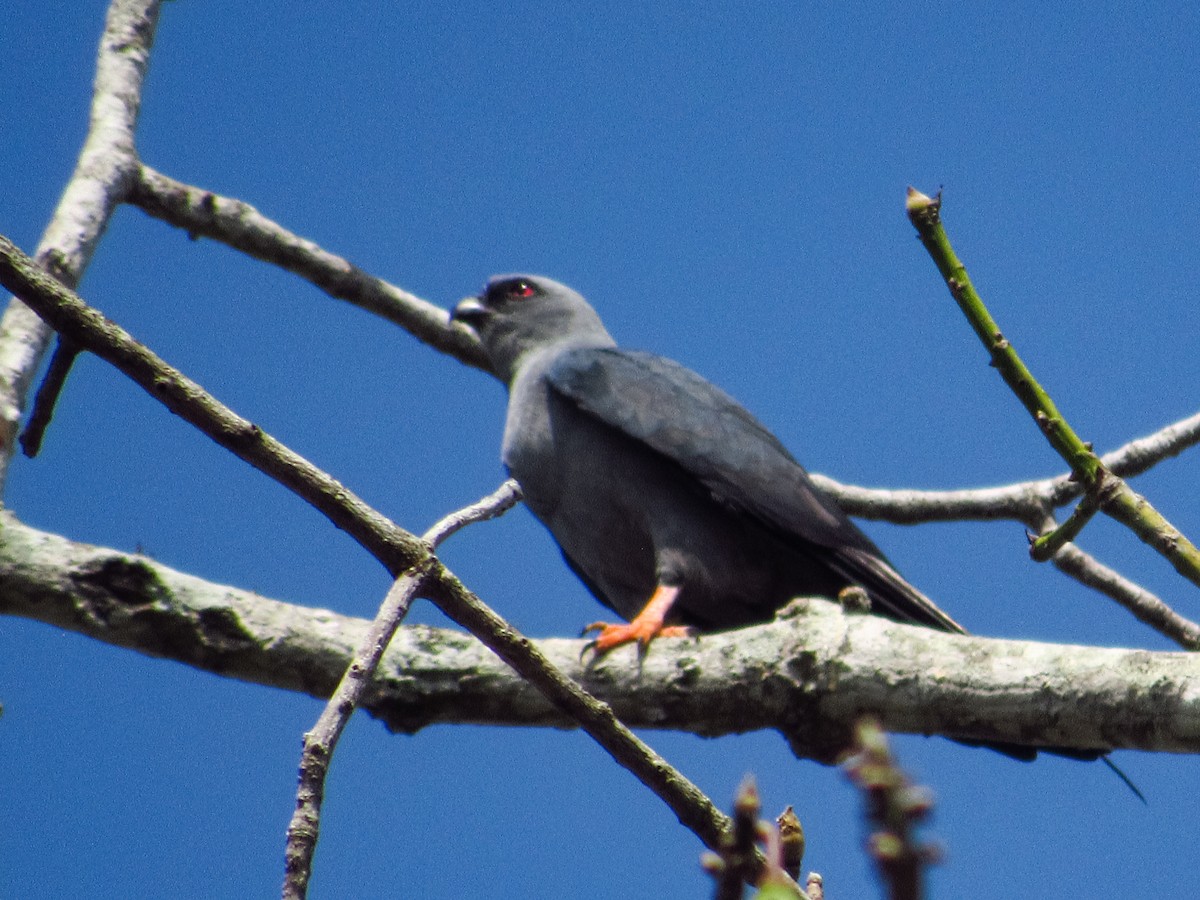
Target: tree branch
[1145,606]
[1022,501]
[239,225]
[102,178]
[90,330]
[1030,503]
[808,675]
[321,741]
[1106,491]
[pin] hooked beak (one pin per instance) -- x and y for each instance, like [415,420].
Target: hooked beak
[470,311]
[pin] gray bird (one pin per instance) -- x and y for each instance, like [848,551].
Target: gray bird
[673,504]
[669,500]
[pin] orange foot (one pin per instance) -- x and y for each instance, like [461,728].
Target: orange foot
[646,626]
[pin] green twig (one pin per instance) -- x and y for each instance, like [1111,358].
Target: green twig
[1103,490]
[1045,546]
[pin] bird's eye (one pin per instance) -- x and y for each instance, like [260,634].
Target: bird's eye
[519,290]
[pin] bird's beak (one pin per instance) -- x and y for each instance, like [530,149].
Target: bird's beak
[469,311]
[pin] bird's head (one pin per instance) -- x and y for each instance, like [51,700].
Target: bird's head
[520,314]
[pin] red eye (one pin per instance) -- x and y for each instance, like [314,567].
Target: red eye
[508,290]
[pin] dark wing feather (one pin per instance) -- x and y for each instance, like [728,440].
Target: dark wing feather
[737,460]
[745,467]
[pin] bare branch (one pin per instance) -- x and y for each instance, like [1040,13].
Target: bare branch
[807,676]
[1144,605]
[1022,501]
[239,225]
[493,505]
[321,741]
[102,178]
[90,330]
[911,507]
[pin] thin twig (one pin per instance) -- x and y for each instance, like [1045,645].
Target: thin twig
[1108,491]
[738,862]
[1144,605]
[321,741]
[493,505]
[896,808]
[233,222]
[47,396]
[1043,547]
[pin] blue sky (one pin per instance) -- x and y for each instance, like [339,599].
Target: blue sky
[725,182]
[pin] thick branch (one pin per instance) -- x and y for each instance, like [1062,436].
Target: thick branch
[808,677]
[102,178]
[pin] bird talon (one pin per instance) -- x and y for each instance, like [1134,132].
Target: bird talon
[611,636]
[590,645]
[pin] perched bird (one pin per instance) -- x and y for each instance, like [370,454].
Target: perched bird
[673,504]
[670,501]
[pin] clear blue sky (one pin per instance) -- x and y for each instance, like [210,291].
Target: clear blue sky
[725,182]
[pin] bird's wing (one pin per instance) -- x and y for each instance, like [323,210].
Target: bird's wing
[736,460]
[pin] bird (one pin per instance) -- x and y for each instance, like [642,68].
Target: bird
[676,507]
[670,501]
